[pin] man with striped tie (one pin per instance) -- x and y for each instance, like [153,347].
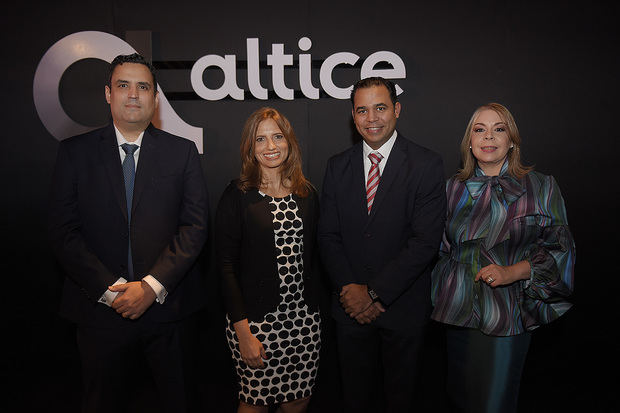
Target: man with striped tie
[382,216]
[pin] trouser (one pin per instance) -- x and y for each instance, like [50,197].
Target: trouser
[110,357]
[378,367]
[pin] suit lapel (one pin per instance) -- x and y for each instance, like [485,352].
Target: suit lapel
[390,172]
[111,159]
[358,188]
[146,165]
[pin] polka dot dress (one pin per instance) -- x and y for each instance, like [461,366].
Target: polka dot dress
[291,334]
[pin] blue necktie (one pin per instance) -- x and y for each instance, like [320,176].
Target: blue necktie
[129,171]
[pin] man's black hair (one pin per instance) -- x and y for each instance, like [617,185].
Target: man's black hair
[132,58]
[375,81]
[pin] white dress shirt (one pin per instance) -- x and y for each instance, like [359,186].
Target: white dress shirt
[108,297]
[384,150]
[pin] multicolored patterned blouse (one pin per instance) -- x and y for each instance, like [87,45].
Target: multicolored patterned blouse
[501,220]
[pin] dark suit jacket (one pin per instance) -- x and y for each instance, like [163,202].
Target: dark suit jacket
[89,228]
[246,252]
[392,248]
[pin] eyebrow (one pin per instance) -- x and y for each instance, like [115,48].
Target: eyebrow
[376,105]
[122,81]
[495,124]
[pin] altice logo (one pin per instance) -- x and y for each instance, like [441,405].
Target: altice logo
[278,60]
[104,46]
[85,45]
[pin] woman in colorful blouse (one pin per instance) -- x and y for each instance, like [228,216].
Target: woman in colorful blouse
[506,263]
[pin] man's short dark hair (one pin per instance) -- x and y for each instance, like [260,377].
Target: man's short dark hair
[375,81]
[132,58]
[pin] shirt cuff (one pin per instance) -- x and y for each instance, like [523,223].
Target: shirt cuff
[109,296]
[160,290]
[528,282]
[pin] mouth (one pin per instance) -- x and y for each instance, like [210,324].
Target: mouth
[488,148]
[272,155]
[374,129]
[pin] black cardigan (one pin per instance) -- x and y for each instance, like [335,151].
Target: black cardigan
[246,252]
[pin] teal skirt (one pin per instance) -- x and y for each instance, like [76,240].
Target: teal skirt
[484,372]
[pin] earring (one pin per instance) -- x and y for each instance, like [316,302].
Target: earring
[469,146]
[512,146]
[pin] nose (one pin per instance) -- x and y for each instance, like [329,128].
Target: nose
[489,135]
[133,91]
[271,144]
[372,115]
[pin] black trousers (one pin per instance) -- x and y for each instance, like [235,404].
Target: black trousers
[378,367]
[110,357]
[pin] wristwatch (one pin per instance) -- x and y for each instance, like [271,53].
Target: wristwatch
[373,295]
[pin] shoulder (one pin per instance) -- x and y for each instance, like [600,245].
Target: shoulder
[539,182]
[169,141]
[312,192]
[415,151]
[456,190]
[454,182]
[311,198]
[344,156]
[86,139]
[232,192]
[547,194]
[230,200]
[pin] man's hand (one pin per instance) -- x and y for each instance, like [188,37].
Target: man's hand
[370,314]
[133,298]
[354,299]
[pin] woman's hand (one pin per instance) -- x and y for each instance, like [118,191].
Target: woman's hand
[495,275]
[252,350]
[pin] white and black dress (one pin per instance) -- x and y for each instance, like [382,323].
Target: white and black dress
[291,333]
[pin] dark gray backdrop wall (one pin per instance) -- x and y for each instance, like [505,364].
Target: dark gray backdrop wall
[554,65]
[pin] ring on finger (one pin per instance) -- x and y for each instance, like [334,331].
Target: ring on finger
[490,279]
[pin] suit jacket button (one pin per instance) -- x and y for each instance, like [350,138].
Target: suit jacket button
[367,235]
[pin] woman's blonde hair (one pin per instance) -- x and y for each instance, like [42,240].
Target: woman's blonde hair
[515,168]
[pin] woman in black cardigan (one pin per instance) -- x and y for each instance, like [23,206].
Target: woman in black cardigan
[265,241]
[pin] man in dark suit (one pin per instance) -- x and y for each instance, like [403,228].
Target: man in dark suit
[382,215]
[128,220]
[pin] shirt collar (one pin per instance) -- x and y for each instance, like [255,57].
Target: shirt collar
[384,150]
[120,139]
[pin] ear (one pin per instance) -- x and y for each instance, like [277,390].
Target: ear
[156,99]
[397,109]
[107,94]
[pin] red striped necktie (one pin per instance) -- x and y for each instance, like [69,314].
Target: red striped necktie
[373,178]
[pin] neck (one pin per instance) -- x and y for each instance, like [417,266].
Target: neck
[130,132]
[272,184]
[491,169]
